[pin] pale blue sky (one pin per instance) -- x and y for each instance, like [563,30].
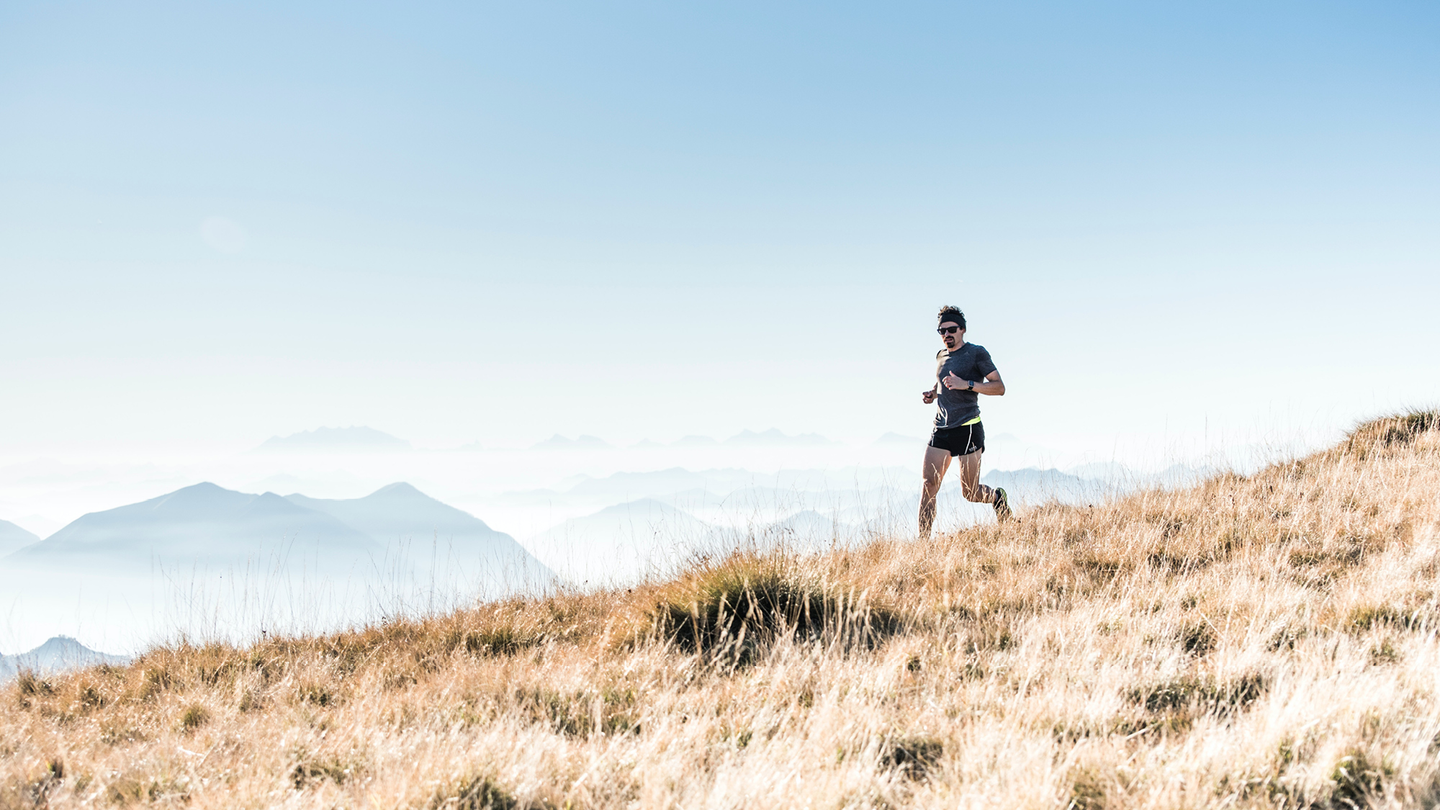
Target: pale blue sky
[499,222]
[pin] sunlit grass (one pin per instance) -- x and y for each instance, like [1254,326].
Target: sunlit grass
[1253,641]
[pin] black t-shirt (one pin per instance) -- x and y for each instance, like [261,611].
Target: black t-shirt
[969,362]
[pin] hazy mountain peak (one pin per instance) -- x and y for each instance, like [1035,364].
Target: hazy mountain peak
[335,440]
[61,644]
[203,497]
[202,522]
[202,490]
[399,489]
[58,653]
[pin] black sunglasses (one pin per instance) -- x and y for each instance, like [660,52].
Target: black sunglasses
[948,330]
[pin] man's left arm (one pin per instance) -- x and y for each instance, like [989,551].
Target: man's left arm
[991,385]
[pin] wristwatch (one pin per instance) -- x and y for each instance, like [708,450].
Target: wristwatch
[972,386]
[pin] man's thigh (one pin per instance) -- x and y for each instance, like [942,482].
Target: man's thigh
[937,461]
[969,470]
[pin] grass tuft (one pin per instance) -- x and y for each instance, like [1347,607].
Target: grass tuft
[1400,430]
[1359,782]
[1198,639]
[1086,791]
[746,601]
[36,790]
[476,793]
[310,770]
[193,717]
[1201,695]
[499,641]
[29,685]
[1366,617]
[581,714]
[315,694]
[914,757]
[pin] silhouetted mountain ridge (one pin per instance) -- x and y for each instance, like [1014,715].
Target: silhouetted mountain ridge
[200,522]
[208,524]
[58,654]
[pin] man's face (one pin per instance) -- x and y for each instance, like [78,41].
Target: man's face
[951,333]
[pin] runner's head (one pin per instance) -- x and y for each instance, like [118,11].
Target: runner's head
[952,327]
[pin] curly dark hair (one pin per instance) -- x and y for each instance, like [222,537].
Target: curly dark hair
[953,315]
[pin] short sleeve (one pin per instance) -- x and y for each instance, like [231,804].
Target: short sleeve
[984,363]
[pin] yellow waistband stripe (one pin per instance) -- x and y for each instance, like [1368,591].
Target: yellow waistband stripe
[974,421]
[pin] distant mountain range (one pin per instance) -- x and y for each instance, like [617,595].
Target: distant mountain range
[58,654]
[809,530]
[399,515]
[621,542]
[335,440]
[627,486]
[645,516]
[710,486]
[1033,486]
[209,525]
[628,541]
[13,537]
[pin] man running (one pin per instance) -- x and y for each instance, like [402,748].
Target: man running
[963,371]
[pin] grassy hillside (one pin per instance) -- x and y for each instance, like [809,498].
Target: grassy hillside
[1256,641]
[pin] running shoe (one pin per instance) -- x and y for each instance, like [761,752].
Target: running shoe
[1002,506]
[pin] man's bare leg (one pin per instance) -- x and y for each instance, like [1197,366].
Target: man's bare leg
[937,461]
[970,485]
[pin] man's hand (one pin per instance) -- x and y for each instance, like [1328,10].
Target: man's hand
[952,382]
[928,396]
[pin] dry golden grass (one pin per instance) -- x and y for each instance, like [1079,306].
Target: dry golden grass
[1260,641]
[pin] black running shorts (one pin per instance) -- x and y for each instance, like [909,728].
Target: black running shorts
[959,441]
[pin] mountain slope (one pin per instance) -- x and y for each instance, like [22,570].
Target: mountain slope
[207,524]
[622,543]
[13,537]
[56,655]
[400,514]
